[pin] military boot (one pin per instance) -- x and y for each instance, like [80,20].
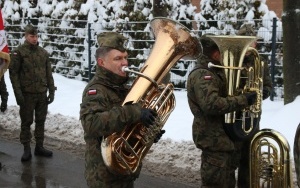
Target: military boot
[27,153]
[41,151]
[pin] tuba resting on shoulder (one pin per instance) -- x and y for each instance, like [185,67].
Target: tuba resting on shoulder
[240,125]
[123,152]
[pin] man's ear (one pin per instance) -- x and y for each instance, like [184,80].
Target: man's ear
[100,62]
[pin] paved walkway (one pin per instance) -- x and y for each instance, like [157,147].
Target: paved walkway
[62,170]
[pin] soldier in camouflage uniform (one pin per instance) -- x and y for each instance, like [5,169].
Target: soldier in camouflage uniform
[209,102]
[102,112]
[243,172]
[31,78]
[4,94]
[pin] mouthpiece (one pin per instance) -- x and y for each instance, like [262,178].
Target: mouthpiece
[210,65]
[125,69]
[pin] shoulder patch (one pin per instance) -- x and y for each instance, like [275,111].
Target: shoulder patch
[207,77]
[92,92]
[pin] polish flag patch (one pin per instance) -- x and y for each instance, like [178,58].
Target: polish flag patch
[92,92]
[207,77]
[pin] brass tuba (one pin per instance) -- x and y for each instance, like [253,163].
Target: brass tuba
[4,63]
[123,152]
[270,163]
[240,126]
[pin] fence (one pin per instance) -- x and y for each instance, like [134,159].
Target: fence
[72,44]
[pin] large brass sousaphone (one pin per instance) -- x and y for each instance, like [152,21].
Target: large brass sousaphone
[240,125]
[123,152]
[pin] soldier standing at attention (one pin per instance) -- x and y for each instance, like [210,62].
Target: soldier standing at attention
[33,84]
[102,112]
[209,102]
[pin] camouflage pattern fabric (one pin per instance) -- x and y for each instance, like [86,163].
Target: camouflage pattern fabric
[30,70]
[208,101]
[218,168]
[112,40]
[3,91]
[101,115]
[31,78]
[243,172]
[35,103]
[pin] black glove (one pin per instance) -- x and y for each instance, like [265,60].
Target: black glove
[50,98]
[159,135]
[251,97]
[148,116]
[266,93]
[3,106]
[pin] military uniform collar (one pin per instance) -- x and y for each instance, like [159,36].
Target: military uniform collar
[203,60]
[110,77]
[31,46]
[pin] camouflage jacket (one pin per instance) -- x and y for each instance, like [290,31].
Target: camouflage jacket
[30,69]
[101,115]
[209,101]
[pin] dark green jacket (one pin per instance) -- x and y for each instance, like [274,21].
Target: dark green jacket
[30,70]
[101,114]
[208,101]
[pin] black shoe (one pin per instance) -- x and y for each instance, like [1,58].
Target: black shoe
[26,155]
[41,151]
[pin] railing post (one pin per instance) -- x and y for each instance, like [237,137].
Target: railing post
[273,56]
[89,52]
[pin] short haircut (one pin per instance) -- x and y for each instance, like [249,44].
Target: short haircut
[102,51]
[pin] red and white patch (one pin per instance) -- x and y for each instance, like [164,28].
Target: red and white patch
[92,92]
[207,77]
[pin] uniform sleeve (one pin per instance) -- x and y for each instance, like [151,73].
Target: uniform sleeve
[14,71]
[50,80]
[206,88]
[99,118]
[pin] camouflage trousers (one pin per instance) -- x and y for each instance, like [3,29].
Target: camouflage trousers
[218,169]
[34,109]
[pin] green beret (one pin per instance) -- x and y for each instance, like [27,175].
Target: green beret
[112,40]
[29,29]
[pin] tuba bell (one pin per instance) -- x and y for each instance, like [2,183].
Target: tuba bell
[240,125]
[123,152]
[270,163]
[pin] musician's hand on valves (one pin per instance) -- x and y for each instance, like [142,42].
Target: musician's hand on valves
[148,116]
[251,97]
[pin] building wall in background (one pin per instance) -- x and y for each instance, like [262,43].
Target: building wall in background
[274,5]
